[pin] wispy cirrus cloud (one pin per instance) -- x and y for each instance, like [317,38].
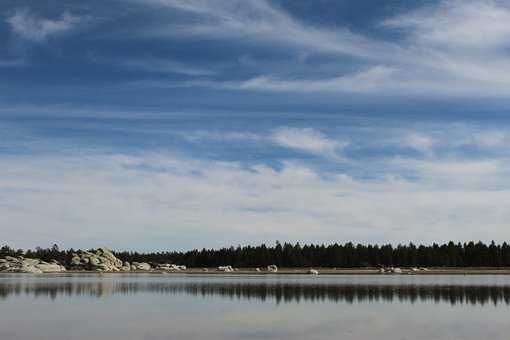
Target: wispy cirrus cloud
[261,21]
[453,24]
[454,48]
[443,49]
[12,62]
[163,65]
[27,25]
[305,140]
[431,141]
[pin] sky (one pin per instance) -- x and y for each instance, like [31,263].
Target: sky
[179,124]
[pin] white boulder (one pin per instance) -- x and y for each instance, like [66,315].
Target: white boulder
[272,268]
[226,269]
[140,266]
[50,267]
[27,269]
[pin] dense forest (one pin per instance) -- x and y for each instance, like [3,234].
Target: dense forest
[347,255]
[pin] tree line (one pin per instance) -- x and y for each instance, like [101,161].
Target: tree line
[346,255]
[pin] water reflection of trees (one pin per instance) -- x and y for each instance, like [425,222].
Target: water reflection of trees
[279,292]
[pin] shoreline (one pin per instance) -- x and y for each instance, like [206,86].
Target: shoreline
[293,271]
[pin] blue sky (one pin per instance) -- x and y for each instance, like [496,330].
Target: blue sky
[173,124]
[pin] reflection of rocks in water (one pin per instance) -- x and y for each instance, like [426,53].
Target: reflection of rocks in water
[279,292]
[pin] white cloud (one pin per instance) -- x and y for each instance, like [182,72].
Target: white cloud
[453,137]
[157,200]
[491,138]
[454,23]
[466,169]
[420,142]
[31,27]
[366,81]
[453,173]
[307,140]
[201,135]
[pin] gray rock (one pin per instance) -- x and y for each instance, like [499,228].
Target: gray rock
[170,267]
[94,261]
[22,265]
[75,261]
[141,266]
[101,259]
[103,267]
[27,269]
[50,268]
[30,262]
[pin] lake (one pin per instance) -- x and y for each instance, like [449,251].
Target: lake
[215,306]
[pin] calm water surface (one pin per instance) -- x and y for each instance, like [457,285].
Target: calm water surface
[157,307]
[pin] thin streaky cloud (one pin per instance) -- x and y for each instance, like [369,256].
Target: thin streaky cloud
[306,140]
[424,62]
[31,27]
[262,21]
[161,65]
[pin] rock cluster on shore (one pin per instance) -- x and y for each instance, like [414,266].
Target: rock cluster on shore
[24,265]
[101,259]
